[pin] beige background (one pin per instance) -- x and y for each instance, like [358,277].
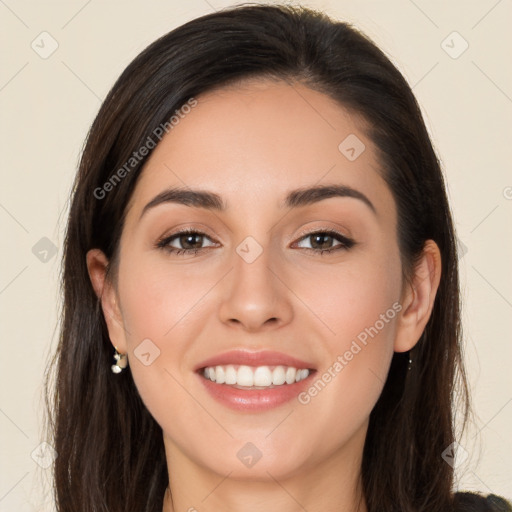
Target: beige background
[47,105]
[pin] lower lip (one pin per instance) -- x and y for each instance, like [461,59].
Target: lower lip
[255,399]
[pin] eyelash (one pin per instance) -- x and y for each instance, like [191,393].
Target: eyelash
[346,243]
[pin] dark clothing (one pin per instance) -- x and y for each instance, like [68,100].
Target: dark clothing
[470,502]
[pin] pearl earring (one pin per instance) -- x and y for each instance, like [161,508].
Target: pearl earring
[121,362]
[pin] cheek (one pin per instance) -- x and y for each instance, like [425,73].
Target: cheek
[160,298]
[351,298]
[358,308]
[161,306]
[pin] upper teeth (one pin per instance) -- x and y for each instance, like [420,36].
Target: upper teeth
[254,376]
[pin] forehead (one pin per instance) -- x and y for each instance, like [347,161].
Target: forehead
[251,143]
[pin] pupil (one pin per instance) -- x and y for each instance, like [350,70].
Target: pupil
[326,238]
[185,239]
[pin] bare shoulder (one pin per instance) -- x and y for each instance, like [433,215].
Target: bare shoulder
[472,502]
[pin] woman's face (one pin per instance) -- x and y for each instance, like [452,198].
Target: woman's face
[260,281]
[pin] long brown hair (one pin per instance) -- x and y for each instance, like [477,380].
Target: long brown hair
[110,449]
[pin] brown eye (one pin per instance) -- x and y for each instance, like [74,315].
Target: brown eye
[326,241]
[184,242]
[191,240]
[321,241]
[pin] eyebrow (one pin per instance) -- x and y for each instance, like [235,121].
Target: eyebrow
[294,199]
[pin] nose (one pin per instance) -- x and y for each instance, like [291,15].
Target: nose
[255,296]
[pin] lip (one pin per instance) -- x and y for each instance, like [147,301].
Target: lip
[260,358]
[254,400]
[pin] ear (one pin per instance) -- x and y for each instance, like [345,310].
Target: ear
[418,298]
[97,265]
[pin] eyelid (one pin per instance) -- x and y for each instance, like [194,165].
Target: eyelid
[188,228]
[164,240]
[322,229]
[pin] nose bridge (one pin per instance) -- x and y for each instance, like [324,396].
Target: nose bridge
[255,296]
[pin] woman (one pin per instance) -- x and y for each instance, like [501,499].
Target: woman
[261,306]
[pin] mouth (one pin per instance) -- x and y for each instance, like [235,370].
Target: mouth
[240,381]
[254,377]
